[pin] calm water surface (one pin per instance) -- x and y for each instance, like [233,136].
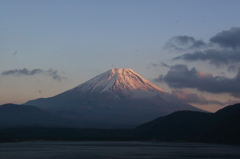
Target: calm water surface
[116,150]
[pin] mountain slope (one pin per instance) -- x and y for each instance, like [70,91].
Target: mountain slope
[22,115]
[116,98]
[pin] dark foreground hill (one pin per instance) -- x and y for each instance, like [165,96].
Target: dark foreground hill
[180,125]
[224,126]
[12,115]
[220,127]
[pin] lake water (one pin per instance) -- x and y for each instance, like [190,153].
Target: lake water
[116,150]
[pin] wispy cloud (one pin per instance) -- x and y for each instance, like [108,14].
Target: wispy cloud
[184,42]
[191,98]
[26,72]
[162,64]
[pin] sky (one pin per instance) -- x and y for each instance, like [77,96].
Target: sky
[189,48]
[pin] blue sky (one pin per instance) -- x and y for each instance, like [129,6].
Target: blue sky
[80,39]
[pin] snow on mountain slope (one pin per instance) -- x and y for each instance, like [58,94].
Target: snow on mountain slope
[124,81]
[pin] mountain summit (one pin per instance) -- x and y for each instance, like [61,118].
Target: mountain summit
[121,82]
[116,98]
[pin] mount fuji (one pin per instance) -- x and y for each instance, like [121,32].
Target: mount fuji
[118,98]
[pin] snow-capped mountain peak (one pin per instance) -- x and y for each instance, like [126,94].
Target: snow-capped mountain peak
[115,98]
[117,80]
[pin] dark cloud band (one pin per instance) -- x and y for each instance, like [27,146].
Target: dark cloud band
[223,48]
[217,57]
[179,76]
[229,38]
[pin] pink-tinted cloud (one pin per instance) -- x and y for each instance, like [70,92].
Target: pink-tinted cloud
[192,98]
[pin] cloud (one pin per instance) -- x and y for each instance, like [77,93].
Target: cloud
[179,76]
[54,75]
[25,72]
[223,48]
[162,64]
[214,56]
[19,72]
[184,96]
[159,79]
[229,38]
[191,98]
[234,67]
[184,42]
[165,65]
